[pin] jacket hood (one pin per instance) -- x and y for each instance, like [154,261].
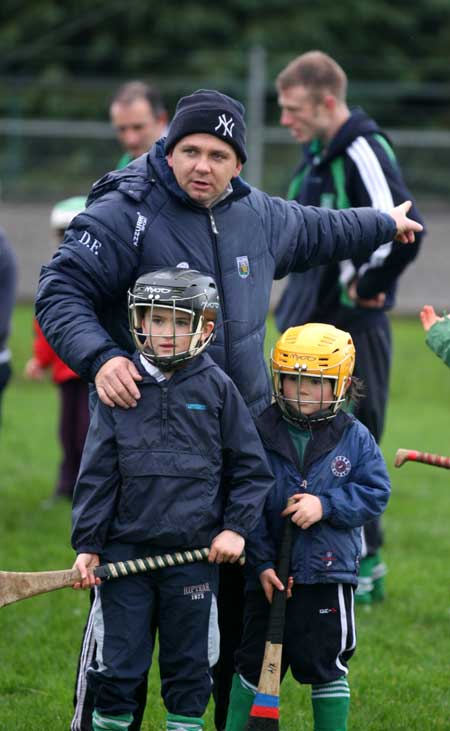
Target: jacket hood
[134,181]
[359,124]
[191,367]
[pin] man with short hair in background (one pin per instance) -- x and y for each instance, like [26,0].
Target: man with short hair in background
[347,162]
[139,118]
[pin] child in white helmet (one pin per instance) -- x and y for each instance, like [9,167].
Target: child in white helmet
[73,392]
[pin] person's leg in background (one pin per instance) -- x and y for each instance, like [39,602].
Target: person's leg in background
[231,613]
[5,375]
[373,365]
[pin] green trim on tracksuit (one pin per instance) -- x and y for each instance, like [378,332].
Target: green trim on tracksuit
[104,722]
[183,723]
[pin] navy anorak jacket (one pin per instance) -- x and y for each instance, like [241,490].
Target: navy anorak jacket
[139,219]
[153,474]
[344,468]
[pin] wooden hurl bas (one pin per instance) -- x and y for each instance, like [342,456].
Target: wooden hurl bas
[15,586]
[412,455]
[265,711]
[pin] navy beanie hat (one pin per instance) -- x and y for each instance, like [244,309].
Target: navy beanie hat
[212,112]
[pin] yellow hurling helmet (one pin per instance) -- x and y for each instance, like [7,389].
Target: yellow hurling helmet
[314,350]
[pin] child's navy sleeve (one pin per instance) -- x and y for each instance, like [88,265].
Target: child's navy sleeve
[260,548]
[365,494]
[97,485]
[247,473]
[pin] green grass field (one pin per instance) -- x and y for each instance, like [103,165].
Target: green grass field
[400,674]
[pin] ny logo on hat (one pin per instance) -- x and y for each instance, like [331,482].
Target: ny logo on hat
[227,125]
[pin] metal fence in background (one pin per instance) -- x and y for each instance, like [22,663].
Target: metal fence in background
[48,159]
[45,159]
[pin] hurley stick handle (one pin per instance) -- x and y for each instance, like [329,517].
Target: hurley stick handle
[15,586]
[412,455]
[275,629]
[152,563]
[265,711]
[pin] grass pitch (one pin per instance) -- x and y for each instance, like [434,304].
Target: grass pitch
[400,674]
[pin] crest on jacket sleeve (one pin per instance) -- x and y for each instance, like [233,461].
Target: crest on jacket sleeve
[341,466]
[243,266]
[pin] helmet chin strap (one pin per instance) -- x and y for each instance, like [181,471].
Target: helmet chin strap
[306,421]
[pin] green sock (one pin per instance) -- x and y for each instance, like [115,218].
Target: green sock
[241,701]
[378,573]
[183,723]
[103,722]
[331,703]
[364,589]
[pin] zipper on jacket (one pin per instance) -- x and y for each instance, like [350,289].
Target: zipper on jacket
[226,338]
[164,414]
[306,539]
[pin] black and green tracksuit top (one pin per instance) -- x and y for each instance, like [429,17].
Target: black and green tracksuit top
[358,168]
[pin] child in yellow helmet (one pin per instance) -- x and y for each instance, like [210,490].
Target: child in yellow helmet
[330,464]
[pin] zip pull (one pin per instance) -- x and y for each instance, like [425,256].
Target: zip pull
[304,485]
[213,223]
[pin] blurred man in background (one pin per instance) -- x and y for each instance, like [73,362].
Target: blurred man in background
[8,280]
[139,118]
[347,162]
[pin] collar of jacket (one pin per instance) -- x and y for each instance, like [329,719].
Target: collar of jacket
[359,124]
[137,178]
[274,434]
[190,368]
[159,163]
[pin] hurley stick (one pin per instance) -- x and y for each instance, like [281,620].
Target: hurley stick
[15,586]
[265,711]
[411,455]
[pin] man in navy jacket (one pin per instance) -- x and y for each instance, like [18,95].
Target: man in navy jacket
[184,204]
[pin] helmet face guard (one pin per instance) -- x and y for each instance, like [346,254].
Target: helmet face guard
[172,291]
[314,351]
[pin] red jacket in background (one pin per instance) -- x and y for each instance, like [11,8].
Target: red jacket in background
[47,358]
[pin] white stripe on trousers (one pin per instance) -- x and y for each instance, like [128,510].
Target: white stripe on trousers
[345,627]
[86,658]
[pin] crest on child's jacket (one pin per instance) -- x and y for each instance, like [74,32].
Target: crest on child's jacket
[341,466]
[243,266]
